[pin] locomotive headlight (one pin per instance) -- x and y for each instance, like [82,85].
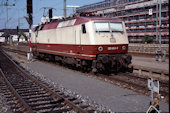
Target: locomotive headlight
[100,48]
[123,47]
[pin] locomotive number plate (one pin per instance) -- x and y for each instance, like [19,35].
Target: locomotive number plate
[112,40]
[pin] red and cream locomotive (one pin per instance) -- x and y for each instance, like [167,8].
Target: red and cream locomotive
[95,43]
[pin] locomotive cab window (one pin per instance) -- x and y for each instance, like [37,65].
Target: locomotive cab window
[108,26]
[116,26]
[83,28]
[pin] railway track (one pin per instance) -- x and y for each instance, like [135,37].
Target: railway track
[133,81]
[140,83]
[136,83]
[29,95]
[16,51]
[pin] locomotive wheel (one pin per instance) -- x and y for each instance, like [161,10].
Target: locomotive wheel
[130,70]
[85,69]
[108,73]
[107,70]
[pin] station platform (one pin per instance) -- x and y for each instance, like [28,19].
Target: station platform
[150,62]
[111,96]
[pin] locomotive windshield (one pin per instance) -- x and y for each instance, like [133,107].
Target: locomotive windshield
[108,26]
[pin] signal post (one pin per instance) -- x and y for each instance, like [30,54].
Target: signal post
[30,22]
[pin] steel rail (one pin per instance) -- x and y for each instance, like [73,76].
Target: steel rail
[12,89]
[68,102]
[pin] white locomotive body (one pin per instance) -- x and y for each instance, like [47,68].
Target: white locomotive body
[87,42]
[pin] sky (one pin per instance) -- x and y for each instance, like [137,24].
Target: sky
[17,13]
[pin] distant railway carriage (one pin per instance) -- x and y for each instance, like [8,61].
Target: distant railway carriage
[95,43]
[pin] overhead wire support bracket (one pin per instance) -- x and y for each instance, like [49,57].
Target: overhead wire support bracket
[44,15]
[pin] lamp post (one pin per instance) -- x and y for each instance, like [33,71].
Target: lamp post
[158,28]
[157,21]
[160,24]
[65,10]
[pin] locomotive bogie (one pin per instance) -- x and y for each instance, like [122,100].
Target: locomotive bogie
[112,63]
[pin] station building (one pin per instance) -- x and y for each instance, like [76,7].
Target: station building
[12,35]
[140,17]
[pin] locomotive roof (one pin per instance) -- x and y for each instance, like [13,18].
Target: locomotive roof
[97,18]
[100,18]
[70,22]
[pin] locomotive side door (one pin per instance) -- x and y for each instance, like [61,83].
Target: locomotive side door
[78,41]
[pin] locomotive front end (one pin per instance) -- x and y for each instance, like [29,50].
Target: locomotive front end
[112,47]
